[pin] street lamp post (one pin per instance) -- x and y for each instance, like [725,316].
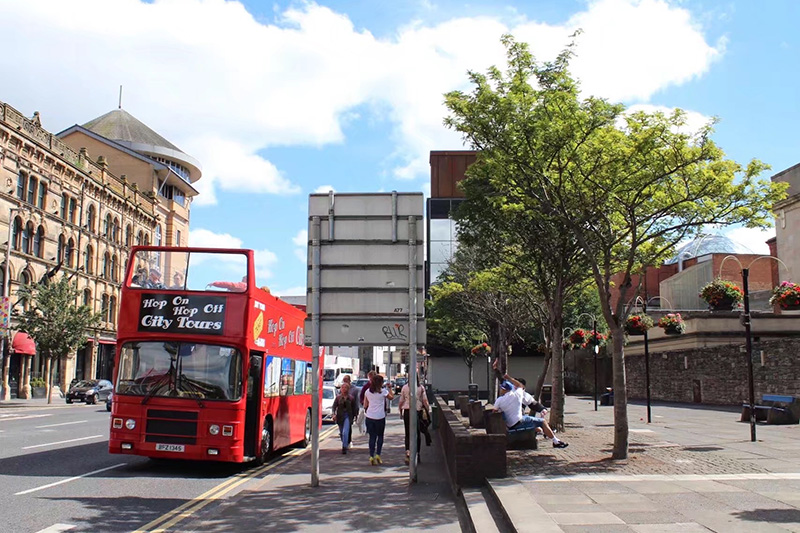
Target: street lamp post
[646,363]
[7,308]
[595,350]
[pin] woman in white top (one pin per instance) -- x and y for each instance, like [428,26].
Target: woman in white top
[405,409]
[376,417]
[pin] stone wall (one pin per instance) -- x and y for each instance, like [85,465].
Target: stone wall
[716,375]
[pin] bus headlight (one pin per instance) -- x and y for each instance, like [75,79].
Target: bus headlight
[213,429]
[130,423]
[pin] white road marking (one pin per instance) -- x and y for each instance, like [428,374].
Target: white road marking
[60,442]
[4,418]
[68,480]
[56,528]
[62,424]
[641,431]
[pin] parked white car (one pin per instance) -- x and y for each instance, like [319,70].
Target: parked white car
[326,407]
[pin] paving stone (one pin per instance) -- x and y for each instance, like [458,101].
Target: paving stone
[682,527]
[651,517]
[599,528]
[586,518]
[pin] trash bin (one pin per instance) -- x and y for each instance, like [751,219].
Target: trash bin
[472,392]
[547,395]
[607,398]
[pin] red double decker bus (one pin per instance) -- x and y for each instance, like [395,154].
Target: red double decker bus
[208,366]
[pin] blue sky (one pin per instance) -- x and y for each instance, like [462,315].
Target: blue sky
[281,99]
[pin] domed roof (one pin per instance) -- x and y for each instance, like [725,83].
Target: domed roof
[122,127]
[709,244]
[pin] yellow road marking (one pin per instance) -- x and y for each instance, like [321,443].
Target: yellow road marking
[184,511]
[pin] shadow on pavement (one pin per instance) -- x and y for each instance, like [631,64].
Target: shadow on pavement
[770,515]
[123,513]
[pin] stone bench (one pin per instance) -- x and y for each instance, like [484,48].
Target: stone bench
[516,439]
[778,409]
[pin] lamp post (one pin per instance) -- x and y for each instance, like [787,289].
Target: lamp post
[646,363]
[6,307]
[595,349]
[745,320]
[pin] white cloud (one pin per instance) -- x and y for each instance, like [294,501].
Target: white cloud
[693,120]
[323,189]
[754,238]
[293,291]
[264,259]
[297,80]
[301,242]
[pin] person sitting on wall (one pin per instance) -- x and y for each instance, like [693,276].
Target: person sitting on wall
[510,405]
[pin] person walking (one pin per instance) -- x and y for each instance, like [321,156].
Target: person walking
[404,405]
[374,400]
[345,411]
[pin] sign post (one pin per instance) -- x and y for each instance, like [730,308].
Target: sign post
[364,282]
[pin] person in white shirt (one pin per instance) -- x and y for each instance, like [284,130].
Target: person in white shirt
[510,404]
[405,411]
[374,400]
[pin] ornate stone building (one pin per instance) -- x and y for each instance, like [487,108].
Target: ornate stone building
[80,199]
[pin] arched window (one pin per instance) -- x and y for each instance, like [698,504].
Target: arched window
[73,209]
[64,204]
[16,234]
[69,253]
[158,235]
[42,195]
[139,238]
[22,181]
[87,297]
[91,214]
[147,240]
[107,226]
[38,242]
[27,234]
[105,265]
[89,264]
[104,307]
[115,233]
[61,245]
[114,265]
[25,279]
[32,187]
[112,310]
[128,235]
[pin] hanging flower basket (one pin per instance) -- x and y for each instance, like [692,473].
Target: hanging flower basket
[672,323]
[577,338]
[594,339]
[786,296]
[638,324]
[481,350]
[721,295]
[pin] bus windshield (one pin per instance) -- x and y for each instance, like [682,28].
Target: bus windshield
[180,369]
[182,270]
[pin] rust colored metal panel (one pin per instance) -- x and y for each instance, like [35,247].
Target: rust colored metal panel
[447,169]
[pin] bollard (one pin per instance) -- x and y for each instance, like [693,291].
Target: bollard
[476,415]
[462,402]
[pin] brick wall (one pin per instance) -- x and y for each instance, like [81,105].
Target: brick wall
[716,375]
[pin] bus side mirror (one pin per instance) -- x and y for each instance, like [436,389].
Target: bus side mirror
[255,366]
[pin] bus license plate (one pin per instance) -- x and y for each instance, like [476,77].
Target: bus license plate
[169,447]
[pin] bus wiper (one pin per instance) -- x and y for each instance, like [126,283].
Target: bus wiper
[163,380]
[191,386]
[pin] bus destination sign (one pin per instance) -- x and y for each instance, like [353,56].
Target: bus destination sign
[203,315]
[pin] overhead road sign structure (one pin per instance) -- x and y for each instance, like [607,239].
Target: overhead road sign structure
[364,268]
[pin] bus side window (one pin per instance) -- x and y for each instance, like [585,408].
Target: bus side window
[287,377]
[309,379]
[299,376]
[272,376]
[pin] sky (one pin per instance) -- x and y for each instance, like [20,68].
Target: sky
[281,99]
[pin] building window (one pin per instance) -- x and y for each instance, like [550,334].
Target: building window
[104,307]
[22,181]
[128,233]
[87,297]
[105,265]
[25,280]
[115,231]
[89,259]
[112,310]
[42,196]
[69,252]
[147,240]
[73,209]
[16,234]
[114,265]
[61,245]
[139,238]
[32,184]
[177,237]
[27,234]
[64,204]
[90,218]
[38,242]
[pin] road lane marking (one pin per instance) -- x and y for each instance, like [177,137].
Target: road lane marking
[182,512]
[62,424]
[68,480]
[60,442]
[4,418]
[56,528]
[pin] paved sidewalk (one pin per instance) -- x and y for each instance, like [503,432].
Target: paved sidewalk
[692,469]
[352,494]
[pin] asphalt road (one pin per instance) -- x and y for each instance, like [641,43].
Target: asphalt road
[56,475]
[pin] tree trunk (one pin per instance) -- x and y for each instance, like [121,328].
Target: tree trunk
[48,368]
[471,374]
[557,397]
[543,376]
[620,396]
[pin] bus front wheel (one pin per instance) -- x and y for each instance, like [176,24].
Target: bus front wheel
[265,449]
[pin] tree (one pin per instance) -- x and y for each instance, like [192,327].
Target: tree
[55,322]
[628,187]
